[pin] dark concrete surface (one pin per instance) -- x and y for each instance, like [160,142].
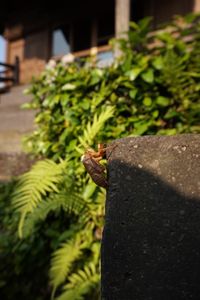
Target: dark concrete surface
[151,239]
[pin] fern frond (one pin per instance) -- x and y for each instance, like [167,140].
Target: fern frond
[94,212]
[72,203]
[68,200]
[93,128]
[63,259]
[33,185]
[81,283]
[40,213]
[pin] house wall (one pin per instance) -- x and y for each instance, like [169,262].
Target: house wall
[32,41]
[15,48]
[165,9]
[37,45]
[33,51]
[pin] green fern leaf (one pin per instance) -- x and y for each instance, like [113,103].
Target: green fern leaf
[33,185]
[81,283]
[93,128]
[63,259]
[69,201]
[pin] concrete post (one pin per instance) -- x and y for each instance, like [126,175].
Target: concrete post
[151,240]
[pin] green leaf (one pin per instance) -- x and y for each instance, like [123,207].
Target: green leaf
[133,74]
[133,93]
[92,129]
[89,190]
[162,101]
[148,76]
[147,101]
[113,97]
[84,104]
[144,23]
[68,87]
[155,113]
[171,131]
[81,283]
[171,114]
[158,63]
[141,127]
[133,25]
[62,261]
[33,185]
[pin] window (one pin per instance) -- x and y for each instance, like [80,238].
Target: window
[60,43]
[105,28]
[82,35]
[2,57]
[137,10]
[2,49]
[105,59]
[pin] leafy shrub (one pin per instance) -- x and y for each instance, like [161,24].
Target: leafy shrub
[153,88]
[23,264]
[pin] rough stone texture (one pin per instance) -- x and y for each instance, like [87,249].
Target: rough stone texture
[151,239]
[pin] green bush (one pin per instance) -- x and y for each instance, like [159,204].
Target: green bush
[23,263]
[153,88]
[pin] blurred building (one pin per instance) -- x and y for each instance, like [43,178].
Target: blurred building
[36,31]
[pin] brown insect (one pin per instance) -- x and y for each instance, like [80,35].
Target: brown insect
[91,161]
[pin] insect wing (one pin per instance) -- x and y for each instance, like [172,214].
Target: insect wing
[91,165]
[95,170]
[100,180]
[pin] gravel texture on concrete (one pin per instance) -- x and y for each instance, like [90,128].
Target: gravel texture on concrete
[151,239]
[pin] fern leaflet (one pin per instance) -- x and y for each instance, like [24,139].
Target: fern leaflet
[93,128]
[32,186]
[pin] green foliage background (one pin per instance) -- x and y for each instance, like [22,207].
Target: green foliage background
[153,88]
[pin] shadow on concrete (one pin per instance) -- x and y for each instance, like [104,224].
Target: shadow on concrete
[151,240]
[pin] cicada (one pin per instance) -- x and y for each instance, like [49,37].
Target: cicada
[91,161]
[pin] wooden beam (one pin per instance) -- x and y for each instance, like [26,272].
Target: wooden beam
[14,32]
